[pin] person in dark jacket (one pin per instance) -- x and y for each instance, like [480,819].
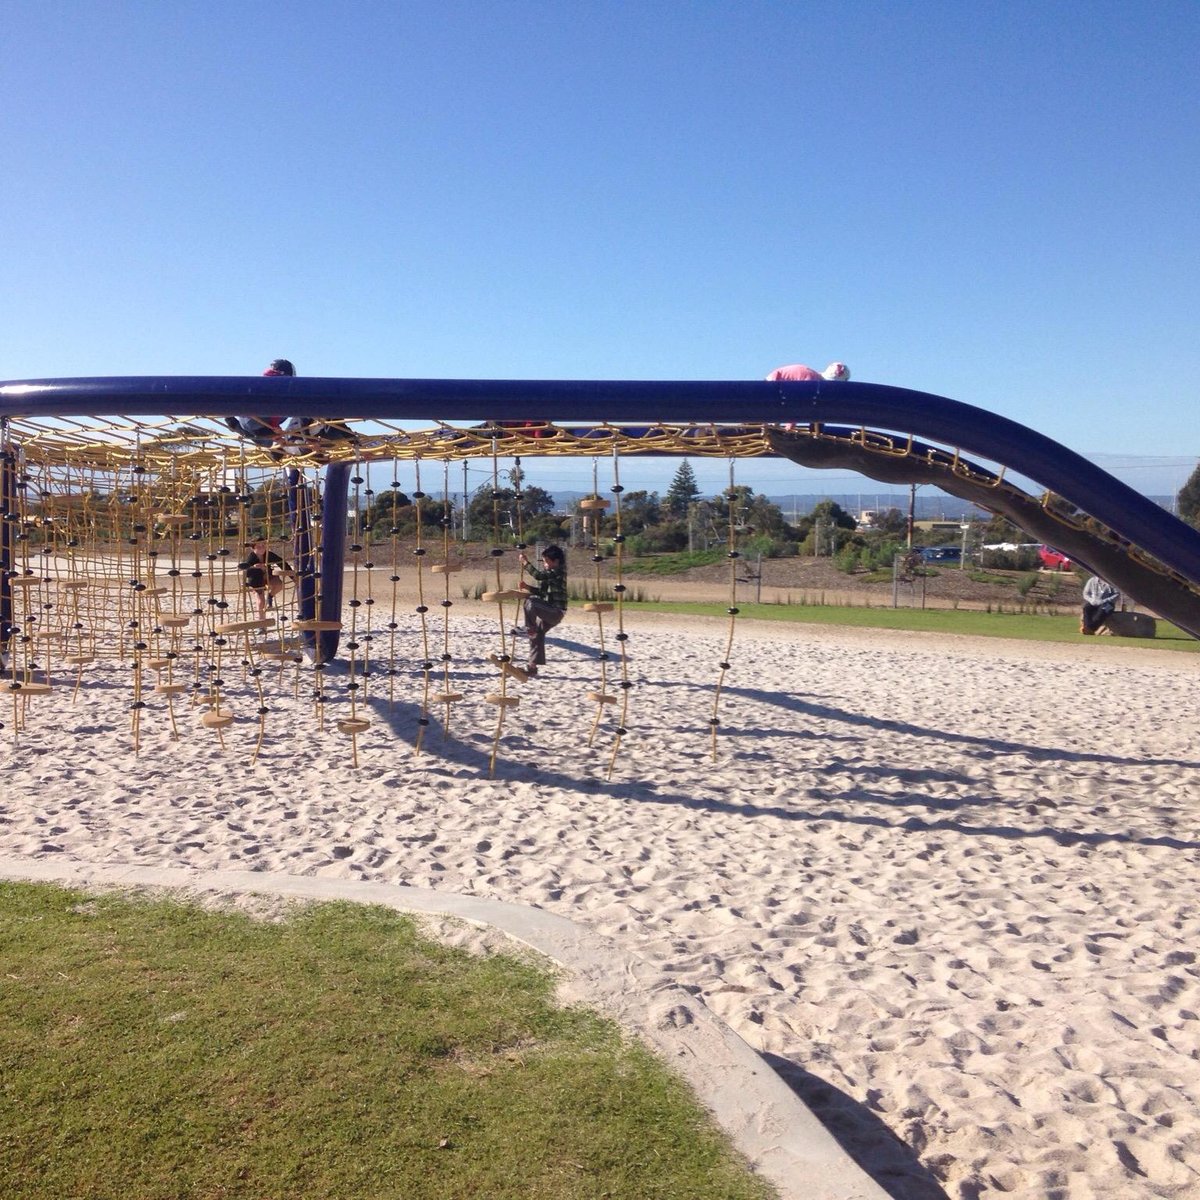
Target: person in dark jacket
[547,604]
[1100,600]
[259,569]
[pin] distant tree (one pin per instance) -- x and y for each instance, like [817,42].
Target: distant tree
[831,512]
[751,511]
[498,508]
[683,492]
[1000,529]
[891,521]
[640,510]
[1188,500]
[830,529]
[386,507]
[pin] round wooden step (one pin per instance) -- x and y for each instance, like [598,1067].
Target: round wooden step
[247,626]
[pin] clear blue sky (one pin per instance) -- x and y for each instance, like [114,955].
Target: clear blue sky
[995,202]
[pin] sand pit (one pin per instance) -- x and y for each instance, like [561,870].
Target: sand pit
[946,886]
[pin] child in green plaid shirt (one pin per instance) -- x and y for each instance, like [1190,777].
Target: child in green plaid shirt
[547,604]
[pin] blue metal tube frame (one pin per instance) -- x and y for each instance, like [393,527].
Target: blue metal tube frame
[1127,512]
[323,602]
[8,534]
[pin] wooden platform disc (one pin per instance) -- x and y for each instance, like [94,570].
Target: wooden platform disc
[25,689]
[598,606]
[154,591]
[316,626]
[170,689]
[596,504]
[509,668]
[602,698]
[78,660]
[25,581]
[50,635]
[172,519]
[353,725]
[503,594]
[246,627]
[174,621]
[446,568]
[446,697]
[503,701]
[73,585]
[158,664]
[218,718]
[285,646]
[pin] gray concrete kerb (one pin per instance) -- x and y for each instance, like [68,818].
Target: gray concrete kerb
[768,1123]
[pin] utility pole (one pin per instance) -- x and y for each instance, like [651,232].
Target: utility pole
[912,512]
[466,504]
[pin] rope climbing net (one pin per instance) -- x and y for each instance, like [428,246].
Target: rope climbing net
[126,542]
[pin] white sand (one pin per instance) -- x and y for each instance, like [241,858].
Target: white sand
[946,885]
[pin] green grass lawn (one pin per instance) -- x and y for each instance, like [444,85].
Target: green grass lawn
[1026,626]
[152,1049]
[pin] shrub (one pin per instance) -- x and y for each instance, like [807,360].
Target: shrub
[849,559]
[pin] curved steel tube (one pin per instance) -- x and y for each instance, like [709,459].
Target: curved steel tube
[975,430]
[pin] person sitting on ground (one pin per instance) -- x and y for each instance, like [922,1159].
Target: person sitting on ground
[546,606]
[836,372]
[1100,600]
[259,567]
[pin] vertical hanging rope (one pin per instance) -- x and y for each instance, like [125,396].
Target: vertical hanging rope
[168,526]
[354,724]
[592,509]
[501,699]
[393,625]
[142,593]
[504,660]
[447,696]
[732,556]
[622,638]
[20,583]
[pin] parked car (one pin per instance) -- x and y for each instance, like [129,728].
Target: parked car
[941,554]
[1053,560]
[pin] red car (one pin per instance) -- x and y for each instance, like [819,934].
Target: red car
[1053,560]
